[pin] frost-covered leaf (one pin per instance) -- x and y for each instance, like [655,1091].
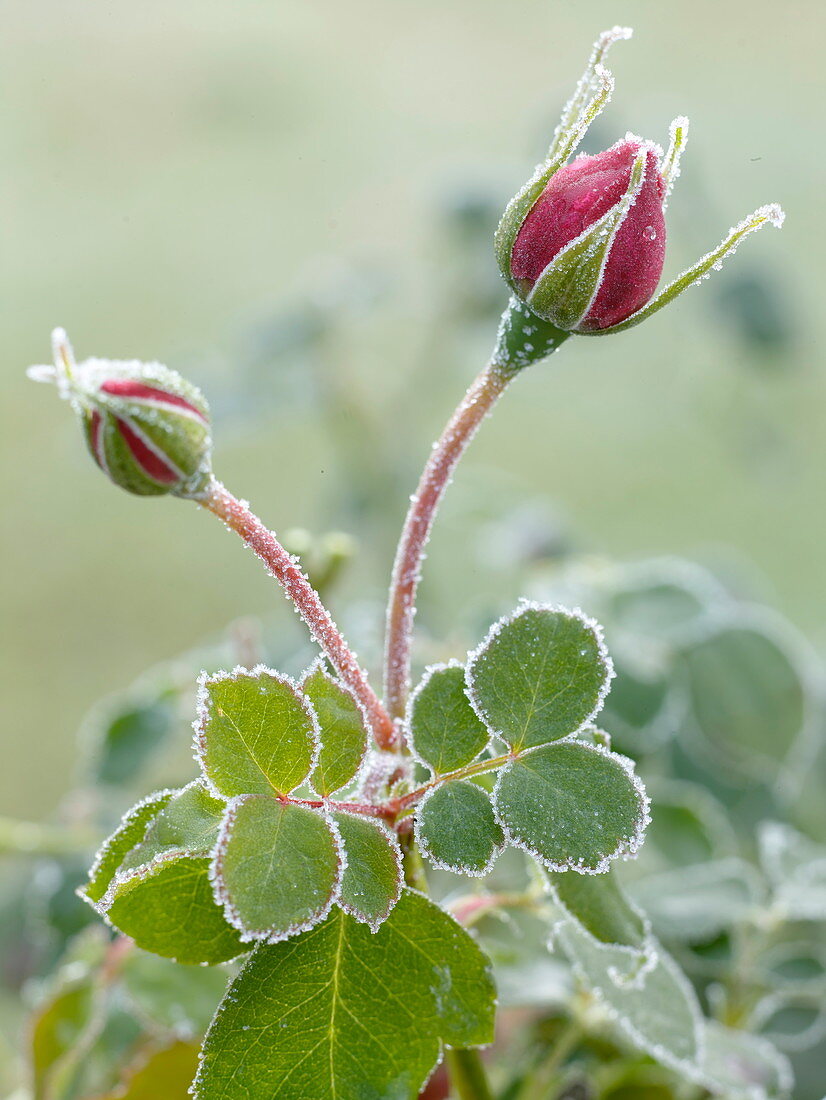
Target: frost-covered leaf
[179,1000]
[796,868]
[342,731]
[694,904]
[571,806]
[129,833]
[169,909]
[741,1066]
[747,693]
[539,675]
[658,1013]
[345,1013]
[277,867]
[165,1073]
[600,905]
[456,828]
[188,822]
[445,731]
[255,733]
[372,880]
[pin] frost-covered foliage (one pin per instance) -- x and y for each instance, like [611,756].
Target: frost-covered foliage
[608,831]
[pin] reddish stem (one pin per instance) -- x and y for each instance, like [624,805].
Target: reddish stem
[461,428]
[287,571]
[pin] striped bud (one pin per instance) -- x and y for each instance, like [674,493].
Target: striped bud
[146,427]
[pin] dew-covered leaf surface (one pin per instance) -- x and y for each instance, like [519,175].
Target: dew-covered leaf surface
[170,910]
[539,675]
[342,731]
[255,733]
[457,830]
[277,867]
[445,731]
[341,1012]
[372,879]
[571,806]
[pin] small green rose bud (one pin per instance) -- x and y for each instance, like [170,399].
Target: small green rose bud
[146,427]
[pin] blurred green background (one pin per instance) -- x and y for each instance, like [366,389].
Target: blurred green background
[292,202]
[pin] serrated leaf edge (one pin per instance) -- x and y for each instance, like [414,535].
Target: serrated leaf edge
[626,849]
[457,869]
[206,679]
[429,673]
[525,605]
[320,665]
[221,894]
[362,918]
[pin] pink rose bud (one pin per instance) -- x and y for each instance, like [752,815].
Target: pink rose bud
[146,427]
[582,244]
[631,259]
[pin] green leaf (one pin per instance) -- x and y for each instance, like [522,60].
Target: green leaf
[445,731]
[57,1027]
[741,1066]
[188,822]
[340,1012]
[169,909]
[657,1011]
[342,730]
[256,733]
[456,829]
[796,868]
[539,675]
[601,907]
[164,1073]
[372,880]
[277,867]
[126,737]
[129,833]
[747,694]
[180,1000]
[572,806]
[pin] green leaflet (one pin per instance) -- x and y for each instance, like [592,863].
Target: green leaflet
[445,731]
[129,732]
[188,822]
[342,731]
[571,806]
[277,867]
[165,1073]
[169,910]
[256,733]
[741,1066]
[339,1012]
[129,833]
[56,1028]
[372,880]
[796,868]
[456,829]
[539,675]
[178,999]
[747,695]
[601,907]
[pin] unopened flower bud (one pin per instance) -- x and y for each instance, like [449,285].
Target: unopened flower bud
[582,244]
[146,427]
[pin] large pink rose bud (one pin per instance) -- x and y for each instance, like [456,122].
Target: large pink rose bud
[146,427]
[582,244]
[627,263]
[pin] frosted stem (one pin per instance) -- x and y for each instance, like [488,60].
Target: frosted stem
[287,571]
[462,426]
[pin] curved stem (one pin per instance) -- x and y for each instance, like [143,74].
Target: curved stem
[287,571]
[462,426]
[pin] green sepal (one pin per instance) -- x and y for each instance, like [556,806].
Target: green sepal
[187,823]
[342,730]
[445,732]
[130,832]
[372,880]
[256,733]
[342,1012]
[524,338]
[456,829]
[277,867]
[564,292]
[540,674]
[168,908]
[572,806]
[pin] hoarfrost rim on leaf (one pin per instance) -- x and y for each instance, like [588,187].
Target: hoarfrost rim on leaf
[322,665]
[428,674]
[525,605]
[454,868]
[373,925]
[221,894]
